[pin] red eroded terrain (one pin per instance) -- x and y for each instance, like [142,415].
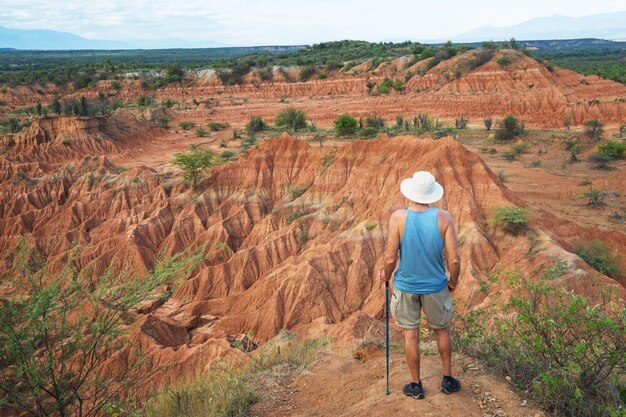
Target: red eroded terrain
[541,96]
[294,233]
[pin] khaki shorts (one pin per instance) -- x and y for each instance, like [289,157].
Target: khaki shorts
[406,309]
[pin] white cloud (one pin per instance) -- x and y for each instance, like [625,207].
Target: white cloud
[250,22]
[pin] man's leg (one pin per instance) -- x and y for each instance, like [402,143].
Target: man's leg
[412,353]
[444,344]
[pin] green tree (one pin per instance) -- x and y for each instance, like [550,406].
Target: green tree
[291,118]
[594,129]
[193,163]
[567,122]
[345,125]
[39,108]
[56,105]
[488,122]
[58,331]
[14,125]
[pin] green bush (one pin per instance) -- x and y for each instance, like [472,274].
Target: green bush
[145,101]
[460,122]
[614,149]
[509,128]
[375,122]
[564,349]
[291,118]
[66,324]
[306,73]
[398,85]
[216,126]
[596,197]
[385,86]
[163,122]
[227,155]
[345,125]
[186,125]
[367,132]
[266,74]
[600,257]
[503,61]
[256,124]
[512,219]
[601,161]
[594,129]
[201,132]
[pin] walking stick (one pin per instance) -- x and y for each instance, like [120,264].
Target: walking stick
[387,330]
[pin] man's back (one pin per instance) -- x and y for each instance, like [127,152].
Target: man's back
[421,269]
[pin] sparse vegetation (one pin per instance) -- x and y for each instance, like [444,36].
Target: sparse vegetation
[217,126]
[460,122]
[594,129]
[596,197]
[186,125]
[613,149]
[600,161]
[567,122]
[295,216]
[256,124]
[345,125]
[600,257]
[504,60]
[512,219]
[375,122]
[291,118]
[163,122]
[231,389]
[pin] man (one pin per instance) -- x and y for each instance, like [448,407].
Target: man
[421,233]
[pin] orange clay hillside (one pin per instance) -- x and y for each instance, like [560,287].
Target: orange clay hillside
[477,83]
[292,241]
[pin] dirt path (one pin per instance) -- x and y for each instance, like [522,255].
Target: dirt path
[340,386]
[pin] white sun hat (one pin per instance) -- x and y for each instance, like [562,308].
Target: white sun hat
[421,188]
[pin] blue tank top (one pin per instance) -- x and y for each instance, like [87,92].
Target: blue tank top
[421,269]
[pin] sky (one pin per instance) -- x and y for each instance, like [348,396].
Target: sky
[282,22]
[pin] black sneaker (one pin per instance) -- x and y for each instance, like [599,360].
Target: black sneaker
[450,385]
[414,390]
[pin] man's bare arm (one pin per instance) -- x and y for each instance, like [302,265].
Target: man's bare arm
[452,253]
[391,254]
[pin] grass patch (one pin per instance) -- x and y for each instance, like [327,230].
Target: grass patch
[295,216]
[370,226]
[229,390]
[600,257]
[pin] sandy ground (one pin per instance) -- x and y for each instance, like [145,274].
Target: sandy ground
[340,386]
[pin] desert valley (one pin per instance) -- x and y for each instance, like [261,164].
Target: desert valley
[278,242]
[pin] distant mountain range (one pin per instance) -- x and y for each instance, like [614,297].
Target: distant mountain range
[54,40]
[604,26]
